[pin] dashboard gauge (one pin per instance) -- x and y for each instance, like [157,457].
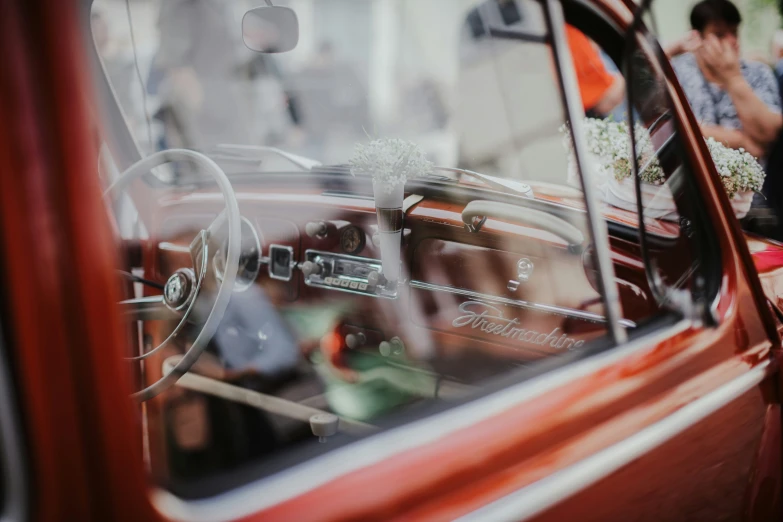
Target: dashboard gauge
[352,240]
[249,258]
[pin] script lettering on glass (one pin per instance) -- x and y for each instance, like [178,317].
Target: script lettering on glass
[490,320]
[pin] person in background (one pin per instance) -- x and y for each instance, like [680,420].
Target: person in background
[199,56]
[602,90]
[736,101]
[688,43]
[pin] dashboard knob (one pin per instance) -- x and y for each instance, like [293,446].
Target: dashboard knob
[354,341]
[324,425]
[397,346]
[316,229]
[375,278]
[309,268]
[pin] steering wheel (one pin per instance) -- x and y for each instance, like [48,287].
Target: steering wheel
[182,288]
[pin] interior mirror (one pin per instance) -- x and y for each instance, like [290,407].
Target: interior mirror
[270,29]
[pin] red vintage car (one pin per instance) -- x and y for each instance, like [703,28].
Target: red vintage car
[362,260]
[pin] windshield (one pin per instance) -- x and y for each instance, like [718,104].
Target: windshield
[381,223]
[441,85]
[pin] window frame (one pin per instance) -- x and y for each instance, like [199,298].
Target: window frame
[613,42]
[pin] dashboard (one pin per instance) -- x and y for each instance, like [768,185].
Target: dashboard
[506,295]
[313,323]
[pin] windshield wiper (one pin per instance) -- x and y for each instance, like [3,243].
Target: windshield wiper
[502,184]
[259,152]
[256,153]
[508,186]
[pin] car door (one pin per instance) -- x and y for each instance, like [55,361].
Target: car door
[679,421]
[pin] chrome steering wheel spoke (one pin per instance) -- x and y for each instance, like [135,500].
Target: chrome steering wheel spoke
[181,290]
[149,308]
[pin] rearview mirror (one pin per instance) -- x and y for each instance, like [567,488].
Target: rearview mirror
[270,29]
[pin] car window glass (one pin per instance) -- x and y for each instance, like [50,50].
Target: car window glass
[683,265]
[374,305]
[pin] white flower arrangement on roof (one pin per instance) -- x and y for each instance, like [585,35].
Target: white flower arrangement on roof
[609,143]
[390,161]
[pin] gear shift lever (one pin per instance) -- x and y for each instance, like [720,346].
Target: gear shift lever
[324,425]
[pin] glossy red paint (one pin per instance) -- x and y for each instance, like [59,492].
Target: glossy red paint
[83,440]
[468,469]
[58,281]
[714,358]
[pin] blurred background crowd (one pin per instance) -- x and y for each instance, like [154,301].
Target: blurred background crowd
[190,54]
[372,68]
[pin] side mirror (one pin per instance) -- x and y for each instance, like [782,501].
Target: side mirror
[270,29]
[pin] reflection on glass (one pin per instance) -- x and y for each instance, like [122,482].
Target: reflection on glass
[495,270]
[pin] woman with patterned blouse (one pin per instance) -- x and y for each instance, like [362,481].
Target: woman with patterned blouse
[736,101]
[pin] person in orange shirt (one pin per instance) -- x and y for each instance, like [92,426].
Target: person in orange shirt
[602,91]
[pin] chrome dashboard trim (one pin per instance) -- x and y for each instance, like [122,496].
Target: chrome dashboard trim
[350,257]
[291,263]
[347,195]
[368,290]
[519,303]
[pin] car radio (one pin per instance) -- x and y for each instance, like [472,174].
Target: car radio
[358,275]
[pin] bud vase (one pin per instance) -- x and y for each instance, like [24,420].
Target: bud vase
[388,209]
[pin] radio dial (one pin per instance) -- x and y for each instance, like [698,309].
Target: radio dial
[309,268]
[354,341]
[375,278]
[393,346]
[316,229]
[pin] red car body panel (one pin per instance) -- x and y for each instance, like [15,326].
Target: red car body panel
[82,444]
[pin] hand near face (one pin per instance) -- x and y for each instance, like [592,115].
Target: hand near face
[690,42]
[721,60]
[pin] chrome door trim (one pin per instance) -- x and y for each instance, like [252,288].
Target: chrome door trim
[519,303]
[309,475]
[572,101]
[536,498]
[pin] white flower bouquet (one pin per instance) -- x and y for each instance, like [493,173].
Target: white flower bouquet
[608,144]
[740,174]
[390,162]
